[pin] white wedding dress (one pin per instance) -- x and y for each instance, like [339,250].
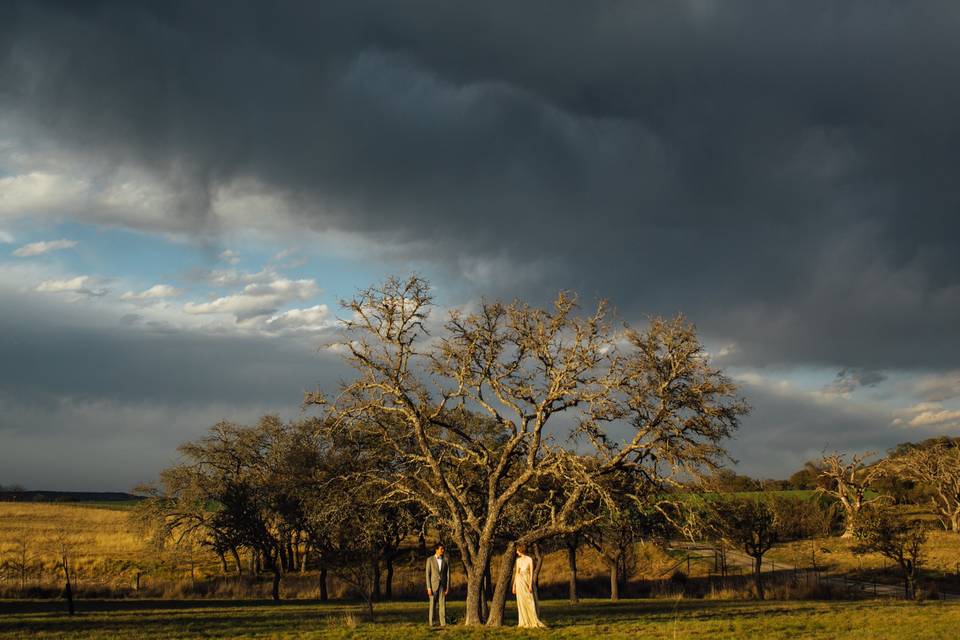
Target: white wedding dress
[523,585]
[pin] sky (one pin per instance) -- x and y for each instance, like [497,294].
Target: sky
[188,189]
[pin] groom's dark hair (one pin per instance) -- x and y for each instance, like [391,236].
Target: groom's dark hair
[439,545]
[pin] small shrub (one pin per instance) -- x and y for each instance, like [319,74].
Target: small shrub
[347,621]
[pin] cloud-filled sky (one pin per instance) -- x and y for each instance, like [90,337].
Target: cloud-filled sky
[187,189]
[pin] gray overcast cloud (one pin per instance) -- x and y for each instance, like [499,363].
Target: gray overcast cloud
[781,172]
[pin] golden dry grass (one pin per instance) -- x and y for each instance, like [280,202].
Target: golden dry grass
[837,554]
[103,544]
[94,532]
[107,551]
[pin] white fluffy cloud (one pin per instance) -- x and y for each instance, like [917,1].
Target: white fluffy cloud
[6,237]
[257,299]
[153,293]
[39,192]
[77,285]
[928,414]
[311,319]
[45,246]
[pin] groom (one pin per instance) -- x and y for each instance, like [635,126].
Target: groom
[438,583]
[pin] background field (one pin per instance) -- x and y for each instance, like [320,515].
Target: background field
[108,552]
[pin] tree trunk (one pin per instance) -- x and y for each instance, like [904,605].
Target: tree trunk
[369,605]
[236,559]
[303,559]
[537,566]
[324,596]
[614,580]
[572,564]
[758,576]
[68,589]
[273,563]
[388,583]
[223,562]
[504,578]
[474,611]
[910,588]
[275,590]
[474,614]
[375,575]
[849,525]
[485,588]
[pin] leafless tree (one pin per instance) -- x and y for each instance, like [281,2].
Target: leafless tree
[22,560]
[850,483]
[891,533]
[616,535]
[937,466]
[521,367]
[228,493]
[63,549]
[745,523]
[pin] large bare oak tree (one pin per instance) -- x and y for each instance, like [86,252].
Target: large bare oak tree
[850,482]
[566,399]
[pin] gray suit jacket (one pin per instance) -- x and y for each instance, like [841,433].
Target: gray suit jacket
[437,577]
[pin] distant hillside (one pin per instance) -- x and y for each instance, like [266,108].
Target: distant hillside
[66,496]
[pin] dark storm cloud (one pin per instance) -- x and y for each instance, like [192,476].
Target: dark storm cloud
[783,172]
[786,430]
[849,380]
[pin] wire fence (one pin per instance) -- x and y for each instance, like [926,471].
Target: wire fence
[726,568]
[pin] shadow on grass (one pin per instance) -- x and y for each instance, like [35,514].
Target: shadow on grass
[144,604]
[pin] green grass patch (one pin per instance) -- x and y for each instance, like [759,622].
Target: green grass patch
[116,505]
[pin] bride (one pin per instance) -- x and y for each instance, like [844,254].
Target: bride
[523,589]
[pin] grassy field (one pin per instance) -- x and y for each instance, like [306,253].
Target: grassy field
[107,552]
[942,558]
[102,542]
[648,619]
